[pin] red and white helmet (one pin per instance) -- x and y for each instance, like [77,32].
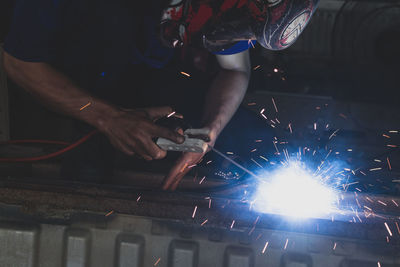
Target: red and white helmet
[275,24]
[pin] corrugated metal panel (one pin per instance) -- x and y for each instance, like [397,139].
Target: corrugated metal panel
[129,241]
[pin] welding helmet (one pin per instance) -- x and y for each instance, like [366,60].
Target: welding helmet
[218,24]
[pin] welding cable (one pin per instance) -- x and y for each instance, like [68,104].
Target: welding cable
[48,156]
[34,141]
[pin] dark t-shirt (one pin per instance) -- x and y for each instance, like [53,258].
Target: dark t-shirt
[109,48]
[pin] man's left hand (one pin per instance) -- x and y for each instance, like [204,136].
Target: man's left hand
[183,165]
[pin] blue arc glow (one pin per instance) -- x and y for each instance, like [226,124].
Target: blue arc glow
[295,192]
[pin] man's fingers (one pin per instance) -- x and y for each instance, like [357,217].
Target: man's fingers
[178,179]
[155,151]
[170,178]
[158,112]
[168,134]
[180,169]
[137,147]
[123,148]
[140,150]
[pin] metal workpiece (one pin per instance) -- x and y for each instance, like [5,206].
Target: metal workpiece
[87,225]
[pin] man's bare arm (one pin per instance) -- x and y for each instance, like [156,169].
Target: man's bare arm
[223,99]
[129,131]
[227,91]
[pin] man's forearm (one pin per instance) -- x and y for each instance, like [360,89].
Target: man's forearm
[57,91]
[223,99]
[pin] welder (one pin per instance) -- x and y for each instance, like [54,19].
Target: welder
[113,57]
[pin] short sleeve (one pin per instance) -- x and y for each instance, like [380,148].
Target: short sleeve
[33,31]
[237,48]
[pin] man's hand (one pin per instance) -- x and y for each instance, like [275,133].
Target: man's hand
[132,131]
[180,169]
[184,164]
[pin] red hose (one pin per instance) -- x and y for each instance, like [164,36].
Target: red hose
[48,156]
[34,141]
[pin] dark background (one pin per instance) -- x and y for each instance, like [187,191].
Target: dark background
[349,51]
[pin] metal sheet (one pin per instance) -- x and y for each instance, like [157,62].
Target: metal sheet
[118,244]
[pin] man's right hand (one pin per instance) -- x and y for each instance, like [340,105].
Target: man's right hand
[132,131]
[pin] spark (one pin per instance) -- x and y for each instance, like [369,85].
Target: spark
[334,246]
[254,150]
[85,106]
[342,115]
[395,202]
[209,203]
[171,114]
[194,212]
[393,131]
[387,239]
[252,229]
[306,196]
[391,145]
[349,150]
[375,169]
[273,102]
[186,74]
[159,259]
[256,67]
[250,42]
[263,115]
[258,164]
[377,160]
[385,135]
[203,223]
[175,43]
[381,202]
[233,223]
[191,166]
[379,264]
[208,162]
[315,126]
[388,229]
[265,247]
[258,141]
[183,168]
[388,162]
[290,127]
[287,240]
[333,134]
[202,180]
[368,208]
[397,226]
[137,200]
[252,104]
[262,111]
[264,158]
[277,151]
[229,153]
[108,214]
[370,200]
[276,70]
